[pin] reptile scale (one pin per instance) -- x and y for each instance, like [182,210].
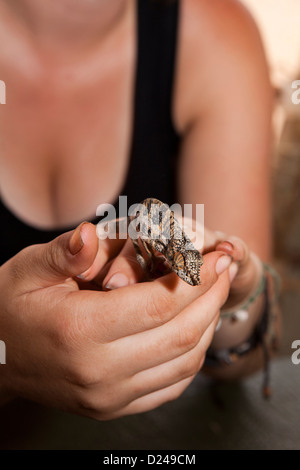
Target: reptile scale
[156,227]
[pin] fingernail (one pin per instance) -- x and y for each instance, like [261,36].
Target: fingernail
[83,276]
[228,245]
[76,241]
[218,325]
[233,270]
[222,264]
[116,281]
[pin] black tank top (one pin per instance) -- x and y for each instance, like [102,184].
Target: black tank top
[152,167]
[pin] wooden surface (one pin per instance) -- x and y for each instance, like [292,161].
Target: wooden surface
[206,417]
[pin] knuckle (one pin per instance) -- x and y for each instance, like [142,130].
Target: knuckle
[194,366]
[82,376]
[191,367]
[137,390]
[52,257]
[159,308]
[99,407]
[187,337]
[85,402]
[109,405]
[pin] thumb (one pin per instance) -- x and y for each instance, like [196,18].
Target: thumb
[66,256]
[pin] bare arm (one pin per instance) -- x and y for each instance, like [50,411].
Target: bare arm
[225,117]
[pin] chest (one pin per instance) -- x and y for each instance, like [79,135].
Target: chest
[65,132]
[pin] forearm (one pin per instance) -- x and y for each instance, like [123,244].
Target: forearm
[255,322]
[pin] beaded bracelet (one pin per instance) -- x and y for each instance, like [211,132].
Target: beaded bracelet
[241,313]
[219,357]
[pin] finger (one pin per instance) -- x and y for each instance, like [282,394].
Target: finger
[157,378]
[236,248]
[151,401]
[107,250]
[47,264]
[125,270]
[141,306]
[212,238]
[174,371]
[175,338]
[249,267]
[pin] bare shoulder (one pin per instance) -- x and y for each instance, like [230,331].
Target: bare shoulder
[217,39]
[224,19]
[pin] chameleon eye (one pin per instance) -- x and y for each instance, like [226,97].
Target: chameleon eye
[159,246]
[179,260]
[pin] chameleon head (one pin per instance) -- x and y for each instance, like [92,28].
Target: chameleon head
[187,266]
[178,261]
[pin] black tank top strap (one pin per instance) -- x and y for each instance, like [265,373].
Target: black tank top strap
[155,140]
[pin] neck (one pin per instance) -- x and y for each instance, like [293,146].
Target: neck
[67,22]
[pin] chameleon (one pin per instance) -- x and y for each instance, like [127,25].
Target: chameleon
[158,234]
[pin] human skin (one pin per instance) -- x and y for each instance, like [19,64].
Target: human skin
[102,354]
[68,110]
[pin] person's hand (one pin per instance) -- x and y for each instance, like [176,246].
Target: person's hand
[249,266]
[245,284]
[123,268]
[102,354]
[246,270]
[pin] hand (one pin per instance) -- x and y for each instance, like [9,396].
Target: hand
[249,266]
[102,354]
[245,271]
[245,283]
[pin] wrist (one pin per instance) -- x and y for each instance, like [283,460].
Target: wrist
[235,326]
[245,284]
[263,337]
[238,319]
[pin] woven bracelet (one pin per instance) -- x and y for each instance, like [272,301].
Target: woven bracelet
[221,357]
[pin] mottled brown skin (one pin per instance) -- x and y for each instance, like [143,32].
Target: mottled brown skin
[159,231]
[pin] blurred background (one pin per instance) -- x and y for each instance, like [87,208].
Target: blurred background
[278,21]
